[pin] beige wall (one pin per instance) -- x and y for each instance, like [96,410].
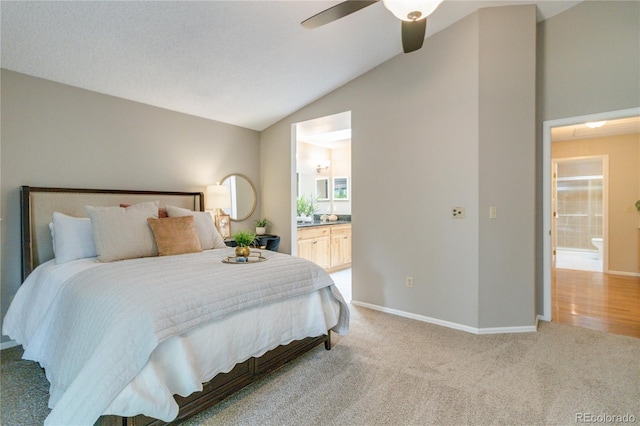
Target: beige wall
[624,190]
[588,62]
[416,135]
[507,166]
[57,135]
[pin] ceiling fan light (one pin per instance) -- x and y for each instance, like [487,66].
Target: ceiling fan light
[411,10]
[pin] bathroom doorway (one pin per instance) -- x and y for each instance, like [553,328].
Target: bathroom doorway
[579,206]
[323,195]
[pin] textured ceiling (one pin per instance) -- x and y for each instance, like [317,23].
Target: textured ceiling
[247,63]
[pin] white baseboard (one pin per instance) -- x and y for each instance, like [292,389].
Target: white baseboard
[541,318]
[453,325]
[9,344]
[505,330]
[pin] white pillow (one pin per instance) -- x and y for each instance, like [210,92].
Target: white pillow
[203,221]
[72,238]
[53,238]
[123,233]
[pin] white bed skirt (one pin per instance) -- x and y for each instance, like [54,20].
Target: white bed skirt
[181,364]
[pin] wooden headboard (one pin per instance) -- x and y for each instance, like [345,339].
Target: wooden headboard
[37,205]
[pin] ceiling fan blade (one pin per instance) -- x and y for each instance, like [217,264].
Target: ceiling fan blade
[336,12]
[413,34]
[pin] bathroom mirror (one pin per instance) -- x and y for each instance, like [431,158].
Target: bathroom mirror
[341,188]
[322,189]
[243,196]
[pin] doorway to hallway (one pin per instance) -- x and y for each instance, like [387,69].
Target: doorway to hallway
[571,293]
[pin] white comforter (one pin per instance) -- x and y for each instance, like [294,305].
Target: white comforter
[96,330]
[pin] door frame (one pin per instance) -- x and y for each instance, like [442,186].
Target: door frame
[546,191]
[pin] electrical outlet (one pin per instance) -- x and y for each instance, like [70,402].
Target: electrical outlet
[457,212]
[409,281]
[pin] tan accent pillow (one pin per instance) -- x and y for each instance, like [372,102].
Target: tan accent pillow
[175,235]
[123,233]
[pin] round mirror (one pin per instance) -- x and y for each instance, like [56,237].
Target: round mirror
[243,196]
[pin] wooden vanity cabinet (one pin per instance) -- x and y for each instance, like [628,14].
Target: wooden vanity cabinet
[328,246]
[313,244]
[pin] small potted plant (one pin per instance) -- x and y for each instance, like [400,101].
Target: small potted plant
[301,208]
[261,226]
[243,240]
[305,209]
[312,208]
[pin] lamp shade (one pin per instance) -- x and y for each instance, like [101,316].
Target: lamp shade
[218,197]
[411,10]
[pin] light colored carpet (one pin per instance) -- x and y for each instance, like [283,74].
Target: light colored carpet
[391,370]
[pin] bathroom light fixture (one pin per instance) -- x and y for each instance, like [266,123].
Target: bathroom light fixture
[411,10]
[324,165]
[595,124]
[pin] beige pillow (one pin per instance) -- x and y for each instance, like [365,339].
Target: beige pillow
[162,212]
[203,221]
[175,235]
[123,233]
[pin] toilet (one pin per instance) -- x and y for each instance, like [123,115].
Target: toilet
[597,242]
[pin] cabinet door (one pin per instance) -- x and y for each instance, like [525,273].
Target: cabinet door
[337,250]
[341,245]
[305,249]
[321,251]
[313,244]
[340,250]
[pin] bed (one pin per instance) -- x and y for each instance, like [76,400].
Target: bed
[138,340]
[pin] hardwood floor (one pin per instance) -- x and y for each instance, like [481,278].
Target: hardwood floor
[597,301]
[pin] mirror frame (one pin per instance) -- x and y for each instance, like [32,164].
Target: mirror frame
[255,195]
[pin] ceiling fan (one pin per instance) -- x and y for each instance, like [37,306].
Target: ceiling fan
[412,13]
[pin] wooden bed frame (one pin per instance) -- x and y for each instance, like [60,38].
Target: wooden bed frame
[37,205]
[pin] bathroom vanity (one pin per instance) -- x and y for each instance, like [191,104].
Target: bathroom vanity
[326,244]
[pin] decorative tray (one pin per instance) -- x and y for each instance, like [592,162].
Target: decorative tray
[254,257]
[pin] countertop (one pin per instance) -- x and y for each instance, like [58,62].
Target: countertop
[317,223]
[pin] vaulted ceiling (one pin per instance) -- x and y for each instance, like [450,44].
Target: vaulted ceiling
[247,63]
